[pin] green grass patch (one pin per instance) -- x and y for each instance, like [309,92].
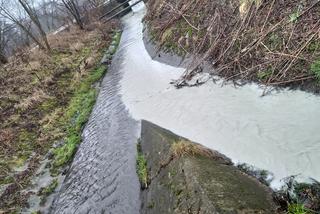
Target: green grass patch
[46,191]
[65,153]
[78,112]
[315,69]
[26,136]
[117,38]
[86,51]
[18,161]
[294,16]
[76,116]
[142,168]
[151,205]
[264,75]
[274,41]
[167,34]
[297,209]
[50,188]
[115,43]
[6,180]
[313,46]
[48,105]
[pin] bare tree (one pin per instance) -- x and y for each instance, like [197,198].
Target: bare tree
[46,11]
[25,21]
[95,3]
[50,14]
[32,13]
[3,42]
[73,8]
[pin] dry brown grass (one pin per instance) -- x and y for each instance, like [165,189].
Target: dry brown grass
[28,73]
[70,37]
[183,148]
[36,97]
[35,89]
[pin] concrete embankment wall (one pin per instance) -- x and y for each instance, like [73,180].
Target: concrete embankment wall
[185,177]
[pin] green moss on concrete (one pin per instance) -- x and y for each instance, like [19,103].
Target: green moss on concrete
[142,168]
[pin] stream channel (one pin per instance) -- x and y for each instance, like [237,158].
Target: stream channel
[279,132]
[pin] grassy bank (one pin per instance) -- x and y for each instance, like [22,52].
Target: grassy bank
[45,101]
[79,109]
[142,170]
[242,39]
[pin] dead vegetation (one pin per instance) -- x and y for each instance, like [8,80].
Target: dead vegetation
[273,42]
[184,148]
[35,88]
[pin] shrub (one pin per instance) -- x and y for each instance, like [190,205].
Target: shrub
[315,69]
[297,209]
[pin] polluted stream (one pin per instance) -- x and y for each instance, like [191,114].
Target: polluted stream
[278,132]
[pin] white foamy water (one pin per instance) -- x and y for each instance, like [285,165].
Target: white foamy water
[279,132]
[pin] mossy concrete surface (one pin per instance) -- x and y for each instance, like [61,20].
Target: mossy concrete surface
[196,182]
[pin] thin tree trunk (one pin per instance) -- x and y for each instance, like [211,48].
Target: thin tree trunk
[3,58]
[24,28]
[28,32]
[34,17]
[72,7]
